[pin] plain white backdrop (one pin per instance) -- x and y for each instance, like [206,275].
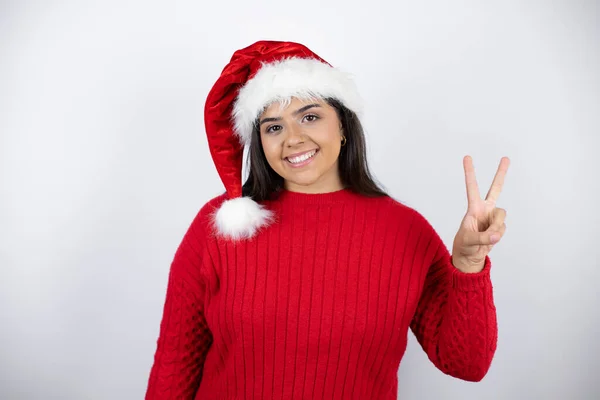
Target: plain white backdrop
[104,163]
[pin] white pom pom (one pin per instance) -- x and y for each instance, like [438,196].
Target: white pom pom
[241,217]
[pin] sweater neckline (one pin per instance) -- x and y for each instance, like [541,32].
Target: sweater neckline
[299,198]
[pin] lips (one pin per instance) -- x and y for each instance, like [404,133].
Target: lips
[301,159]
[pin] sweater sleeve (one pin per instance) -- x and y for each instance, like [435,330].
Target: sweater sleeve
[455,321]
[184,337]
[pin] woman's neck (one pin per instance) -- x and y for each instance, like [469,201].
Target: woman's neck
[327,185]
[305,198]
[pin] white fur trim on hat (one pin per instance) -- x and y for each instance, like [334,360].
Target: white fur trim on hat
[240,218]
[291,77]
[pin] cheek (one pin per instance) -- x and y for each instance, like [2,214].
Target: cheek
[330,146]
[272,150]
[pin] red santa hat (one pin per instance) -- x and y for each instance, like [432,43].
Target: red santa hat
[257,76]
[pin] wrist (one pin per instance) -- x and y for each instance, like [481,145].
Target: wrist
[467,266]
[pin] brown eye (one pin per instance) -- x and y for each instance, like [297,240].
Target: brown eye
[273,128]
[311,117]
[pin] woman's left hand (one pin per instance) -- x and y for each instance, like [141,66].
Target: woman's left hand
[483,225]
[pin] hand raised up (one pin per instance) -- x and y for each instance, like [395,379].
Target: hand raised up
[483,225]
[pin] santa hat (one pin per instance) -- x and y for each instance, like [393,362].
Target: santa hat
[257,76]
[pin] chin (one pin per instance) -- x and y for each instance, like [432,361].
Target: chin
[305,181]
[306,177]
[301,176]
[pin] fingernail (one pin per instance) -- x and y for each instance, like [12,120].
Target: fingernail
[494,239]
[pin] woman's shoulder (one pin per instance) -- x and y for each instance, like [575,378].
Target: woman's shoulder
[213,204]
[204,218]
[398,210]
[391,204]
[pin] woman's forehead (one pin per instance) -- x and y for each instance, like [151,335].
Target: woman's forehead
[279,105]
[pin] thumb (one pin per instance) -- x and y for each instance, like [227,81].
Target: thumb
[481,238]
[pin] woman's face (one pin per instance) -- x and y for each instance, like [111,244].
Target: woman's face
[302,143]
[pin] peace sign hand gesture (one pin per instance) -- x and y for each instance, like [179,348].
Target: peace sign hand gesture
[483,225]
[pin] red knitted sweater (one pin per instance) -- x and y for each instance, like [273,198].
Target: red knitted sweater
[318,305]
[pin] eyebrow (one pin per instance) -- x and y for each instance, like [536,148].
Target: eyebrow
[298,111]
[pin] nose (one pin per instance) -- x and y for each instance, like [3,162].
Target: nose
[295,136]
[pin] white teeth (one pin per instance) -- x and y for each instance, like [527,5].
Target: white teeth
[301,158]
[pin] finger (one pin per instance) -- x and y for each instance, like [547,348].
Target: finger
[470,180]
[498,181]
[497,229]
[479,238]
[497,226]
[489,237]
[498,216]
[496,235]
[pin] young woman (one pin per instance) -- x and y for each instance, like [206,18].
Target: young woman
[304,282]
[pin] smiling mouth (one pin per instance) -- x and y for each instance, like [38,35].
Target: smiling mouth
[303,159]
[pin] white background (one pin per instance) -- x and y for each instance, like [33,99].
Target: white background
[104,163]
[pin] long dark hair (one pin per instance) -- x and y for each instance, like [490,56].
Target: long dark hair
[263,181]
